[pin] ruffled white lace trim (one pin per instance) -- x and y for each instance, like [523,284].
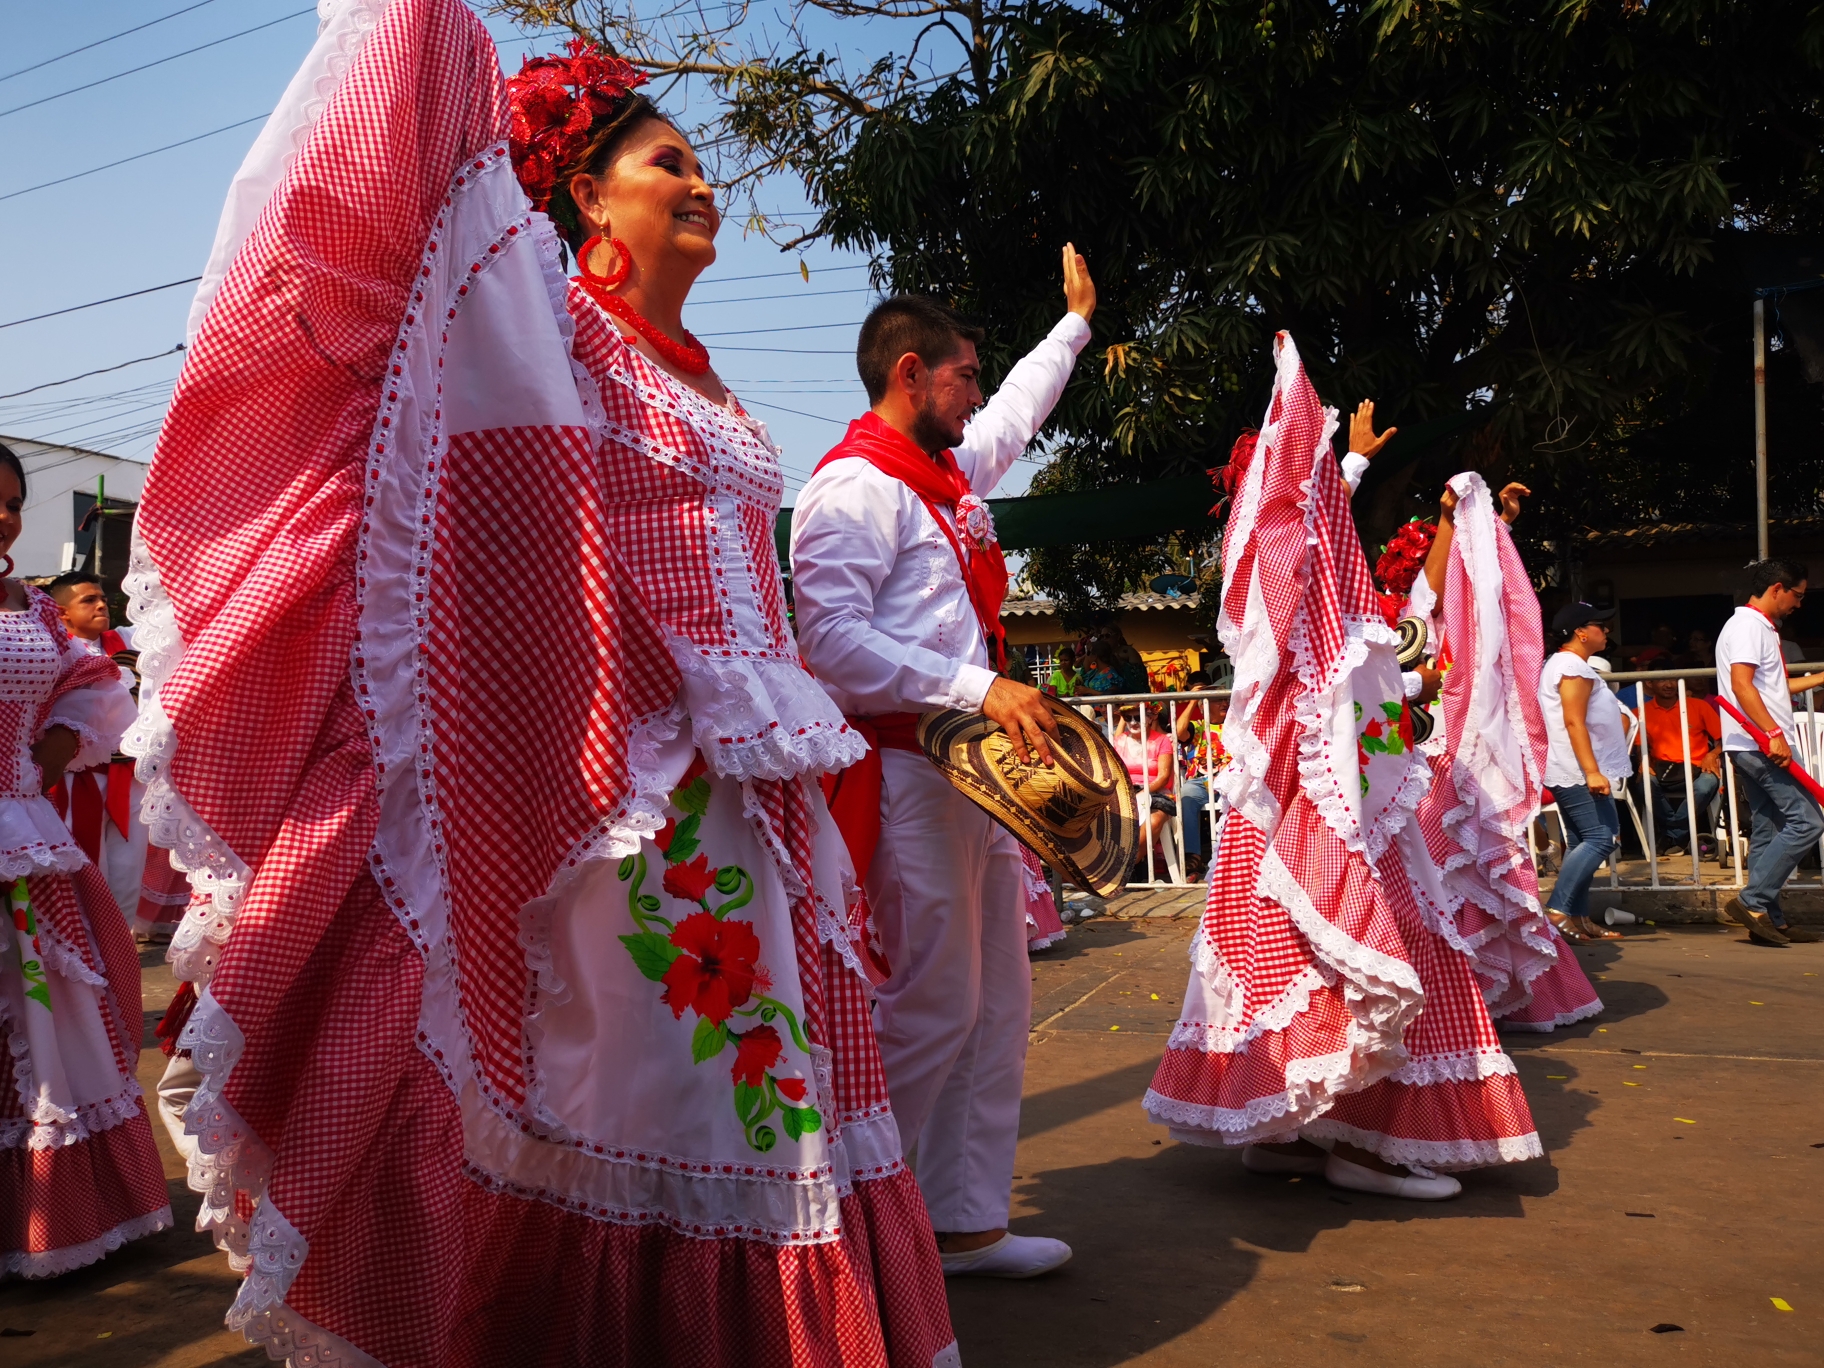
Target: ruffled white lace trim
[284,1334]
[53,1127]
[1463,1066]
[756,717]
[34,840]
[1542,1026]
[229,1156]
[20,1263]
[1433,1154]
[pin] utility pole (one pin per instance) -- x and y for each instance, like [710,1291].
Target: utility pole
[1760,428]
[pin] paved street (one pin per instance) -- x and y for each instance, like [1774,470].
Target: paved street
[1684,1185]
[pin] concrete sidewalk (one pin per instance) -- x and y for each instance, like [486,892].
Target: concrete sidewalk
[1185,1259]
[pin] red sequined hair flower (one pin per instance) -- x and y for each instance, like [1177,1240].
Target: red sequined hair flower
[557,103]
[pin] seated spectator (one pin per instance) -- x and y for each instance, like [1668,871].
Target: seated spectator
[1667,749]
[1019,669]
[1099,676]
[1201,758]
[1147,752]
[1065,682]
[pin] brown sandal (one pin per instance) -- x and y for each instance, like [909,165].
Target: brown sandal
[1566,928]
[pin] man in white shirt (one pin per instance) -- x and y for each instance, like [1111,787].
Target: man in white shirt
[897,579]
[1751,674]
[120,838]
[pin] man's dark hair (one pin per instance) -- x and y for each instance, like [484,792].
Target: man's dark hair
[1763,575]
[907,323]
[61,588]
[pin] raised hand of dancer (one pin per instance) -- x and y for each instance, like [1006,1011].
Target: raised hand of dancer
[1362,440]
[1509,498]
[1025,716]
[1079,289]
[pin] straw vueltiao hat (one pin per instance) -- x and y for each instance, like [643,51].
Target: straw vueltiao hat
[1078,815]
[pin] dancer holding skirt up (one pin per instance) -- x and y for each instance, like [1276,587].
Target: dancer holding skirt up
[1328,998]
[530,1025]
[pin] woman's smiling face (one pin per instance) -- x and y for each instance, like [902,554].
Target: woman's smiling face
[656,201]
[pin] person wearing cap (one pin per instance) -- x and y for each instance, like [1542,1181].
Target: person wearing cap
[1586,756]
[1751,674]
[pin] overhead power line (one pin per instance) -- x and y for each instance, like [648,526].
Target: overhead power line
[137,156]
[147,66]
[777,275]
[797,327]
[110,38]
[796,413]
[755,299]
[68,380]
[111,299]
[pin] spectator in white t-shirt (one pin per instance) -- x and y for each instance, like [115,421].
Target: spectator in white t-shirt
[1751,674]
[1586,757]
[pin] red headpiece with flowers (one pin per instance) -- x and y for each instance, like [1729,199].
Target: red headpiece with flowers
[1228,478]
[1401,560]
[557,103]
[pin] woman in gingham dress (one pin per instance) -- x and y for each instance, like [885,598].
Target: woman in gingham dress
[79,1173]
[1328,998]
[530,1024]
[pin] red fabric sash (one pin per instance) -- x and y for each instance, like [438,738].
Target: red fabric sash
[853,794]
[111,644]
[938,481]
[78,790]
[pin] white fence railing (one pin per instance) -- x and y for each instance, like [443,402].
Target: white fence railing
[1719,822]
[1196,703]
[1722,822]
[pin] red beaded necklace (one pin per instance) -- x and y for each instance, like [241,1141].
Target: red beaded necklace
[689,356]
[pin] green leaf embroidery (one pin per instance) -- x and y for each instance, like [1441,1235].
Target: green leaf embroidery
[728,878]
[794,1126]
[707,1040]
[747,1103]
[692,799]
[763,1139]
[649,902]
[652,953]
[626,869]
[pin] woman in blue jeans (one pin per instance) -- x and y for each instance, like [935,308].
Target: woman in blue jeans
[1586,756]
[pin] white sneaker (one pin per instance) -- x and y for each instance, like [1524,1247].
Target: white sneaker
[1258,1159]
[1419,1186]
[1011,1256]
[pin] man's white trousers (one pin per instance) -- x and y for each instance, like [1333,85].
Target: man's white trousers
[947,893]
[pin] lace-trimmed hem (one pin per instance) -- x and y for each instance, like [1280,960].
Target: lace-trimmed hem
[1432,1154]
[1570,1018]
[51,1127]
[54,1262]
[284,1334]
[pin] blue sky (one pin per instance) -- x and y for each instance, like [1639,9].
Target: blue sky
[785,345]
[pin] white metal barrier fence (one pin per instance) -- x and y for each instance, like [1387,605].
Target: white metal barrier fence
[1192,706]
[1720,822]
[1724,827]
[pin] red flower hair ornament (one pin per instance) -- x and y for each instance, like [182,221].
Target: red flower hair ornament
[556,104]
[1404,556]
[1228,478]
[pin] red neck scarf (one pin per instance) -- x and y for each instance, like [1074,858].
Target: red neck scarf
[939,483]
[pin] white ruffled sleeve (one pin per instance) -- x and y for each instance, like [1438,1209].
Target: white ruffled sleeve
[99,715]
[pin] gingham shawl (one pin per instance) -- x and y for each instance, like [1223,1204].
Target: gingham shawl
[250,588]
[1494,755]
[1298,943]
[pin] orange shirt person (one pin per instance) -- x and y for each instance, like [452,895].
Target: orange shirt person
[1705,727]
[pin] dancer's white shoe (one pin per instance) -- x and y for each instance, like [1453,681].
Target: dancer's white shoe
[1011,1256]
[1419,1185]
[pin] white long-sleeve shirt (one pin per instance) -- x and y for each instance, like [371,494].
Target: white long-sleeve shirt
[884,618]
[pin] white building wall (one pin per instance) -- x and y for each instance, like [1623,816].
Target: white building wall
[52,474]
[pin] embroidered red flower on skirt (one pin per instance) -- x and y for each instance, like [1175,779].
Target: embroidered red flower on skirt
[691,881]
[756,1051]
[714,971]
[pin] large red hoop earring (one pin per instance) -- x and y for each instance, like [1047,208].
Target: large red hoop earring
[623,263]
[7,570]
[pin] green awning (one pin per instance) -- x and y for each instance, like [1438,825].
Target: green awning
[1156,509]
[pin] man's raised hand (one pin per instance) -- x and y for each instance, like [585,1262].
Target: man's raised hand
[1079,289]
[1362,440]
[1024,715]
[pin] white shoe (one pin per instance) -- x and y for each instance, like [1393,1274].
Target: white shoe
[1419,1186]
[1258,1159]
[1011,1256]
